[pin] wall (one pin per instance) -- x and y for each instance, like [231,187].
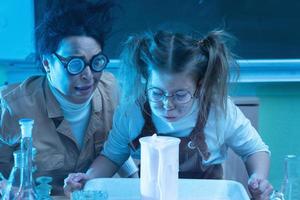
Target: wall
[2,75]
[16,29]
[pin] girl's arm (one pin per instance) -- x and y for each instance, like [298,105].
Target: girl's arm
[258,165]
[102,167]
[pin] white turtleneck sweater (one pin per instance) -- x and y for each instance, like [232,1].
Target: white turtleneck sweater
[77,115]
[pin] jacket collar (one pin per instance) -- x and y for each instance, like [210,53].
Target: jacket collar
[53,108]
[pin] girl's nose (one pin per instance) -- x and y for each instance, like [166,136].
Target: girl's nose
[168,103]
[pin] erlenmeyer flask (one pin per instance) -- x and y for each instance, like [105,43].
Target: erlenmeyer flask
[13,182]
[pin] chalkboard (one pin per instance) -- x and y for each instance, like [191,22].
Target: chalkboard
[263,28]
[16,29]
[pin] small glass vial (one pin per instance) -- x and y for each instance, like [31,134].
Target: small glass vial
[44,188]
[27,188]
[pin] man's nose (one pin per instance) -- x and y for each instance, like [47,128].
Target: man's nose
[87,72]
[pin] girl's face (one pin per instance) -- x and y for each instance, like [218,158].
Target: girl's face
[75,88]
[177,91]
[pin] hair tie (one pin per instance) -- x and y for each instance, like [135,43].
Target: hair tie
[201,42]
[204,43]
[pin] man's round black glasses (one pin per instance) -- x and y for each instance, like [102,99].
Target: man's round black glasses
[76,64]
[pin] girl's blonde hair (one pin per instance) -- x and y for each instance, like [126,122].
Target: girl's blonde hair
[207,60]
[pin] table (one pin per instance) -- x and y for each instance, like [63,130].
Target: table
[188,189]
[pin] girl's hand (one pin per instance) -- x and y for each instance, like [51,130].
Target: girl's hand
[74,181]
[259,187]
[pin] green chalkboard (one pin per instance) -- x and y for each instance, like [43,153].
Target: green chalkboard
[263,28]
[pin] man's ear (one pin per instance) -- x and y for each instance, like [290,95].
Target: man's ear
[45,62]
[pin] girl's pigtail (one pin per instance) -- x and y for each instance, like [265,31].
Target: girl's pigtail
[214,83]
[132,70]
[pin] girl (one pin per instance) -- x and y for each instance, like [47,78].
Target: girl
[176,85]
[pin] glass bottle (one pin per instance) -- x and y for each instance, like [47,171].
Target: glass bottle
[291,184]
[27,188]
[13,182]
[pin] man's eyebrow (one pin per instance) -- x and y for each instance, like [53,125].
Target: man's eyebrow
[67,58]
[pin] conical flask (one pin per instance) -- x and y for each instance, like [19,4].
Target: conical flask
[27,188]
[13,182]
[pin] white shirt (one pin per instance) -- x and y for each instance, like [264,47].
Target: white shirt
[222,130]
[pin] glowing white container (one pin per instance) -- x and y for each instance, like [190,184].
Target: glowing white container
[159,167]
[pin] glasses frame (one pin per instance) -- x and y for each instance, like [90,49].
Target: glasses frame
[65,62]
[164,96]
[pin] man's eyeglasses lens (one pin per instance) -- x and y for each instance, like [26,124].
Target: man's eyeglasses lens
[77,64]
[158,95]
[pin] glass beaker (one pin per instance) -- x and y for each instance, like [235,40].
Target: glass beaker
[291,185]
[159,167]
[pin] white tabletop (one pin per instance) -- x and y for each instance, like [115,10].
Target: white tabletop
[188,189]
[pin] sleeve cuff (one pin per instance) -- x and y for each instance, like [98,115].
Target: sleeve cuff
[128,168]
